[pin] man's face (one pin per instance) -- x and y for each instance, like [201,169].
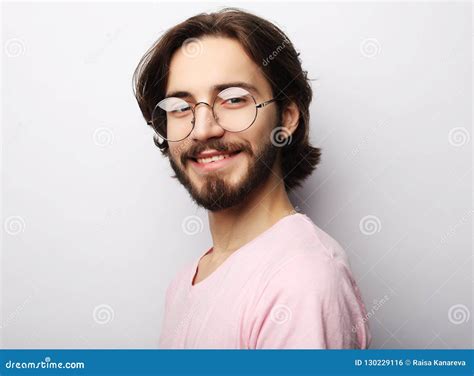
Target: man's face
[224,183]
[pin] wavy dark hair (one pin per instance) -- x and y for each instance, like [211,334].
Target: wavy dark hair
[268,47]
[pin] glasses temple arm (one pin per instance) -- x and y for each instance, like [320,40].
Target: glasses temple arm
[263,104]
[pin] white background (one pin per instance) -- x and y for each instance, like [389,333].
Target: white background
[92,223]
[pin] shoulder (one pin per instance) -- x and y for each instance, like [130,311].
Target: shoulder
[309,272]
[309,264]
[313,289]
[306,253]
[316,240]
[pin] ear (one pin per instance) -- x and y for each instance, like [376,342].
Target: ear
[290,118]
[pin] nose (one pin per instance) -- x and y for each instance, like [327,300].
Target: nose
[205,125]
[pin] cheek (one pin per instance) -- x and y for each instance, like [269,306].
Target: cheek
[176,149]
[260,132]
[172,154]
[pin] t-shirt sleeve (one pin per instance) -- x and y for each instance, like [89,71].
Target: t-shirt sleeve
[311,302]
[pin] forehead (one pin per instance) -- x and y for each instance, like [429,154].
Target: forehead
[209,61]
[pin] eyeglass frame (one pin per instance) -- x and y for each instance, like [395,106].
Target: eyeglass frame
[193,107]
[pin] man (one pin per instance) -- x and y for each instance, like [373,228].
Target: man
[228,99]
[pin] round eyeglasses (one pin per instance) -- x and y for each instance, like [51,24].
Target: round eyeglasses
[234,109]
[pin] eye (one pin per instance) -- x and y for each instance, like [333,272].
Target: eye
[180,112]
[181,109]
[234,97]
[236,100]
[175,107]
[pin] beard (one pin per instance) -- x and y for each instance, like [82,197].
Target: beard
[216,193]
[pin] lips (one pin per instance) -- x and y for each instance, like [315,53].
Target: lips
[213,156]
[215,162]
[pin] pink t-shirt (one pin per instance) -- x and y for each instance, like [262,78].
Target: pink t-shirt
[291,287]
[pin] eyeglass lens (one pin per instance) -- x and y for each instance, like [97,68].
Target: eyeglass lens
[234,109]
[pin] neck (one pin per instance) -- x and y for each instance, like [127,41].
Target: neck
[234,227]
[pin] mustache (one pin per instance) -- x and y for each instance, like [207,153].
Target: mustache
[216,145]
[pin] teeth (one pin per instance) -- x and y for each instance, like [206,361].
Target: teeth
[213,158]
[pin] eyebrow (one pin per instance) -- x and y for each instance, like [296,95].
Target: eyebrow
[216,88]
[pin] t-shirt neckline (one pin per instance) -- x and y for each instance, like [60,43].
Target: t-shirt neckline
[202,284]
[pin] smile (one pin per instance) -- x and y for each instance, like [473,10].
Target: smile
[203,165]
[213,159]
